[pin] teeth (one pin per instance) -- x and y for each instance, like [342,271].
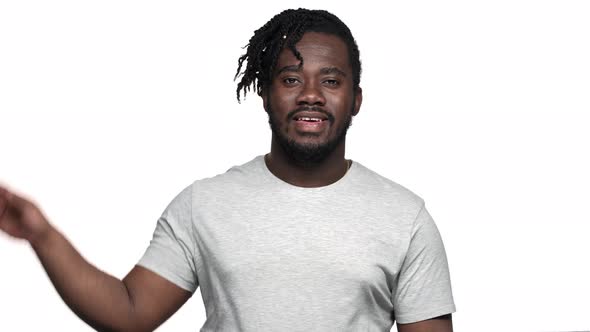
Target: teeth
[309,119]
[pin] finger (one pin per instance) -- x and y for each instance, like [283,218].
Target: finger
[13,206]
[3,192]
[3,202]
[13,229]
[2,208]
[2,205]
[14,200]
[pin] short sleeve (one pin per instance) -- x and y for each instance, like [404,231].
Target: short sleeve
[171,252]
[423,290]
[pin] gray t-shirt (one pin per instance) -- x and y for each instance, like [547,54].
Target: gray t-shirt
[269,256]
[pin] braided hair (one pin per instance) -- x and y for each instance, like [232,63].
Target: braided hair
[285,30]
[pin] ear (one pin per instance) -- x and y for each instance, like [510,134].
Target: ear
[358,100]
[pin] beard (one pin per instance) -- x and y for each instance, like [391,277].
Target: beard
[308,154]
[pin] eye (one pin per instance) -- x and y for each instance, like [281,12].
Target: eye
[332,82]
[290,80]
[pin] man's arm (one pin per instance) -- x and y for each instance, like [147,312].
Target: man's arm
[140,302]
[439,324]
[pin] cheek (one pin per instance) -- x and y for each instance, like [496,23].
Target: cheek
[342,103]
[281,103]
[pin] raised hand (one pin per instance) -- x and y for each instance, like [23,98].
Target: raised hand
[21,218]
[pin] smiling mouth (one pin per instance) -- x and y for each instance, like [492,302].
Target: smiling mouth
[310,124]
[309,119]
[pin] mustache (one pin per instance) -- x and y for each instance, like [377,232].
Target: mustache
[291,114]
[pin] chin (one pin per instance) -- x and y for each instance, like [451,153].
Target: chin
[310,148]
[306,152]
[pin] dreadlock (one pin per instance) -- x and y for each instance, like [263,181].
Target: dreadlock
[285,30]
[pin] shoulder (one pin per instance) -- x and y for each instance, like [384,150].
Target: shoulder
[384,189]
[237,180]
[239,174]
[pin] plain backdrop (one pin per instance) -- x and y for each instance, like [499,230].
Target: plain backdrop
[109,109]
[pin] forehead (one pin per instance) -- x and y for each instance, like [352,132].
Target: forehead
[317,49]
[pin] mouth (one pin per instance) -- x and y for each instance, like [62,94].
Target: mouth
[310,123]
[310,116]
[308,119]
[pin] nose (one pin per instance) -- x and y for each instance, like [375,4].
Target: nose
[311,94]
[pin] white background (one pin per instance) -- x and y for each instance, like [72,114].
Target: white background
[108,109]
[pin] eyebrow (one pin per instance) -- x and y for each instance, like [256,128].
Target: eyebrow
[292,68]
[323,71]
[332,70]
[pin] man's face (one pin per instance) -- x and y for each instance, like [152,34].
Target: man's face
[310,108]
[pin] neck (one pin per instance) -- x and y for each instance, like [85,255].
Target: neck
[320,174]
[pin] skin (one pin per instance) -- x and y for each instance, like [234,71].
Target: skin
[439,324]
[140,302]
[325,80]
[143,300]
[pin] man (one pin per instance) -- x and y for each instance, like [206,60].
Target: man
[300,239]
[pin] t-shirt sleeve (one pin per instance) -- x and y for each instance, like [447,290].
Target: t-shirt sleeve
[423,290]
[171,252]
